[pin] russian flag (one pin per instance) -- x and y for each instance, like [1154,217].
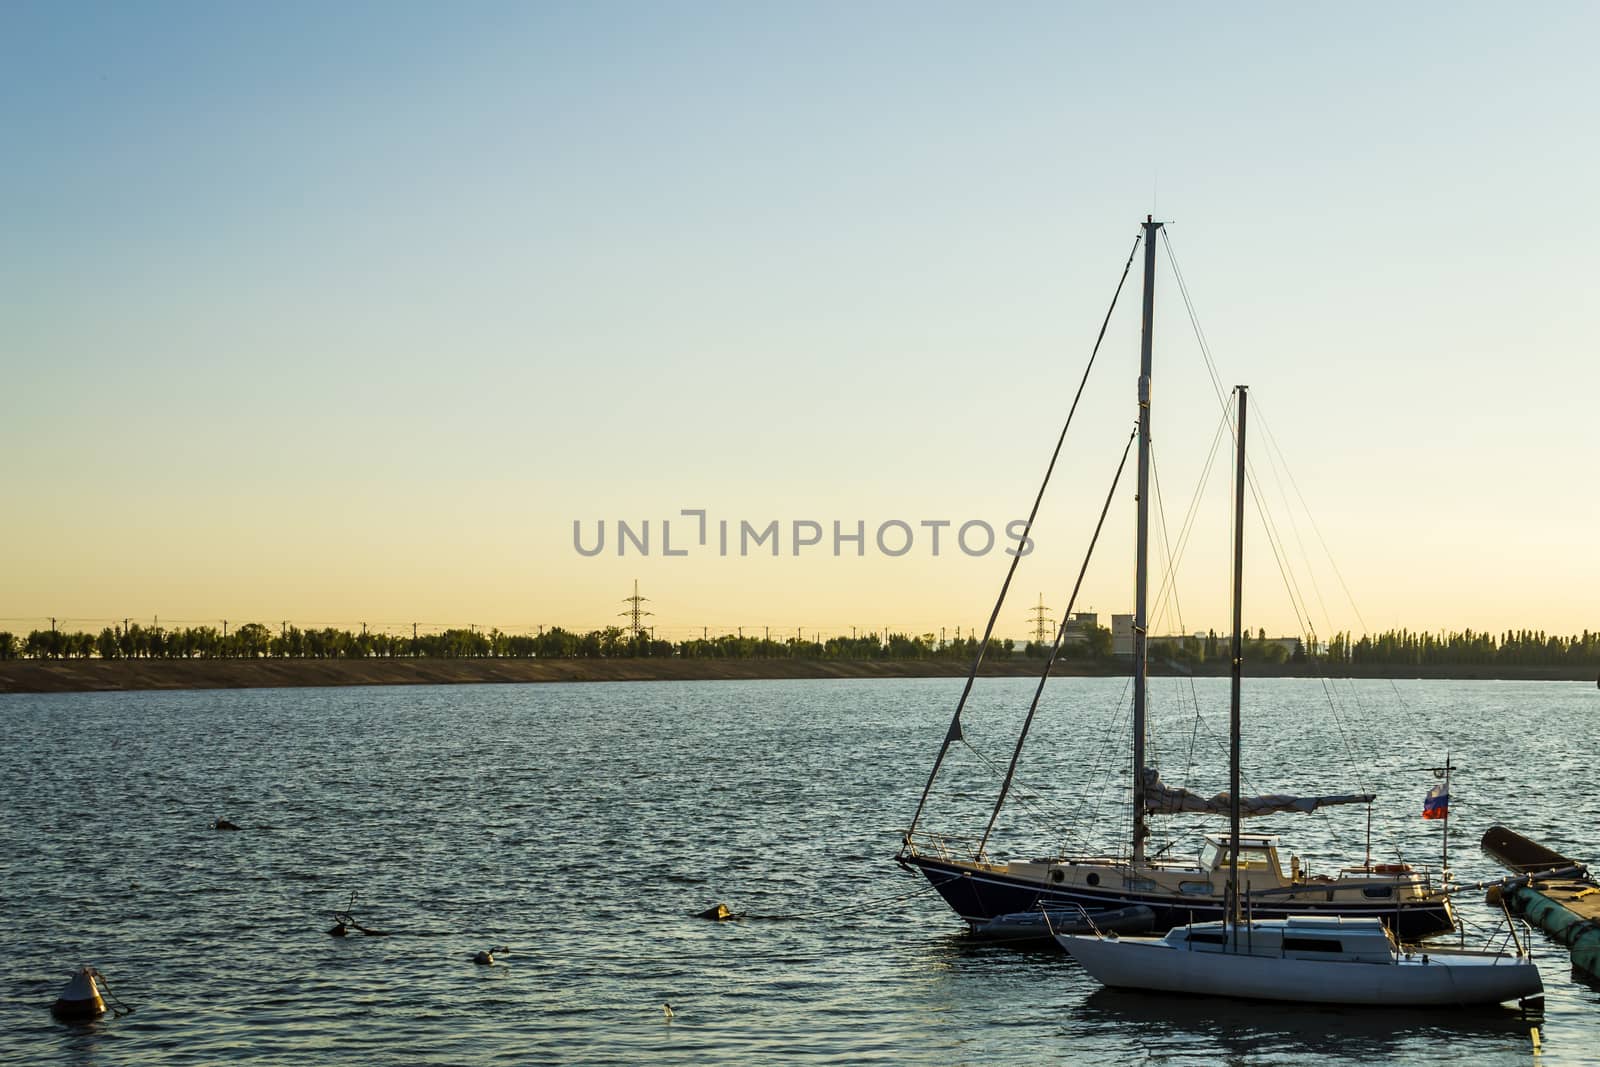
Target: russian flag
[1437,803]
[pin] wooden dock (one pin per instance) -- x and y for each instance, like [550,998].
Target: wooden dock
[1565,906]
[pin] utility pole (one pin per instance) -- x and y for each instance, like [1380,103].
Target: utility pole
[283,630]
[363,629]
[635,612]
[1041,621]
[224,629]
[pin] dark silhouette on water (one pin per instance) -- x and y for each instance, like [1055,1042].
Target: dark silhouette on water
[345,921]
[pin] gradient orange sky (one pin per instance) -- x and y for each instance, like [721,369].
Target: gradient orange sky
[346,315]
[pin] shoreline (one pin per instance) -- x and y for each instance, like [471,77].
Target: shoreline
[123,675]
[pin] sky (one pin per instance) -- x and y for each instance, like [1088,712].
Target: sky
[347,313]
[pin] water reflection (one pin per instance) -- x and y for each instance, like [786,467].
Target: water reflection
[1300,1032]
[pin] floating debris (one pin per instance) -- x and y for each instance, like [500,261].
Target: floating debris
[718,914]
[224,824]
[345,921]
[667,1008]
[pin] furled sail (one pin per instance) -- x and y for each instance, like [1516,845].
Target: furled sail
[1163,799]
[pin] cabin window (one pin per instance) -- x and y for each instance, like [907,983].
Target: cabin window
[1058,875]
[1213,857]
[1311,944]
[1254,859]
[1378,891]
[1092,878]
[1208,939]
[1194,888]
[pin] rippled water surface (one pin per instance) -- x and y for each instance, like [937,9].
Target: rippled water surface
[582,825]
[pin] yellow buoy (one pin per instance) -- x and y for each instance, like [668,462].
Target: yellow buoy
[81,999]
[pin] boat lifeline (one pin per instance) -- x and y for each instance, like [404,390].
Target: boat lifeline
[1178,889]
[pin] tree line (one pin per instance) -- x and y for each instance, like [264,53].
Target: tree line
[1093,643]
[1517,648]
[257,641]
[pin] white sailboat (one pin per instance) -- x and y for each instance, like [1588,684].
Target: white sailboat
[1308,960]
[1301,958]
[1178,889]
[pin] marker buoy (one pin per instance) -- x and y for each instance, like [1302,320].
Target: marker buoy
[718,914]
[80,1001]
[485,958]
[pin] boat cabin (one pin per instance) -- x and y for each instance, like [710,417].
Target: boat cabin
[1306,937]
[1258,856]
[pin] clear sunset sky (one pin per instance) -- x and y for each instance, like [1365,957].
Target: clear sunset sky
[344,312]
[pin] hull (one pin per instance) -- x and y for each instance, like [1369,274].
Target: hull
[1044,926]
[1444,981]
[980,894]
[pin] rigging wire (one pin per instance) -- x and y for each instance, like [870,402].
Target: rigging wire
[1194,320]
[1277,461]
[1296,599]
[1061,633]
[1170,584]
[954,731]
[1101,771]
[1174,559]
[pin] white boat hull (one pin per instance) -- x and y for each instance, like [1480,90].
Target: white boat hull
[1445,979]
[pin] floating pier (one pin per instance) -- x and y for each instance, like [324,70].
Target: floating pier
[1565,905]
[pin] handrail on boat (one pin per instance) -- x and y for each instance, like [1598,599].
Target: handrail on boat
[939,845]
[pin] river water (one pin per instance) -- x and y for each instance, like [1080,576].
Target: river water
[582,825]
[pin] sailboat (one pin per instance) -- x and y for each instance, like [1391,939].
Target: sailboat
[1301,958]
[1178,890]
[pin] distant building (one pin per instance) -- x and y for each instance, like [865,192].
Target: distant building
[1122,635]
[1078,624]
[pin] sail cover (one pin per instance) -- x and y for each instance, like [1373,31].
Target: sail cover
[1163,799]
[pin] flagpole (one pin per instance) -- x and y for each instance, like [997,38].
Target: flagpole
[1444,863]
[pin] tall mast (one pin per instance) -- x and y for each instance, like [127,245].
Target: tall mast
[1142,543]
[1238,668]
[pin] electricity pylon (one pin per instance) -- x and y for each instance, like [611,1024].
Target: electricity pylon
[635,612]
[1042,623]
